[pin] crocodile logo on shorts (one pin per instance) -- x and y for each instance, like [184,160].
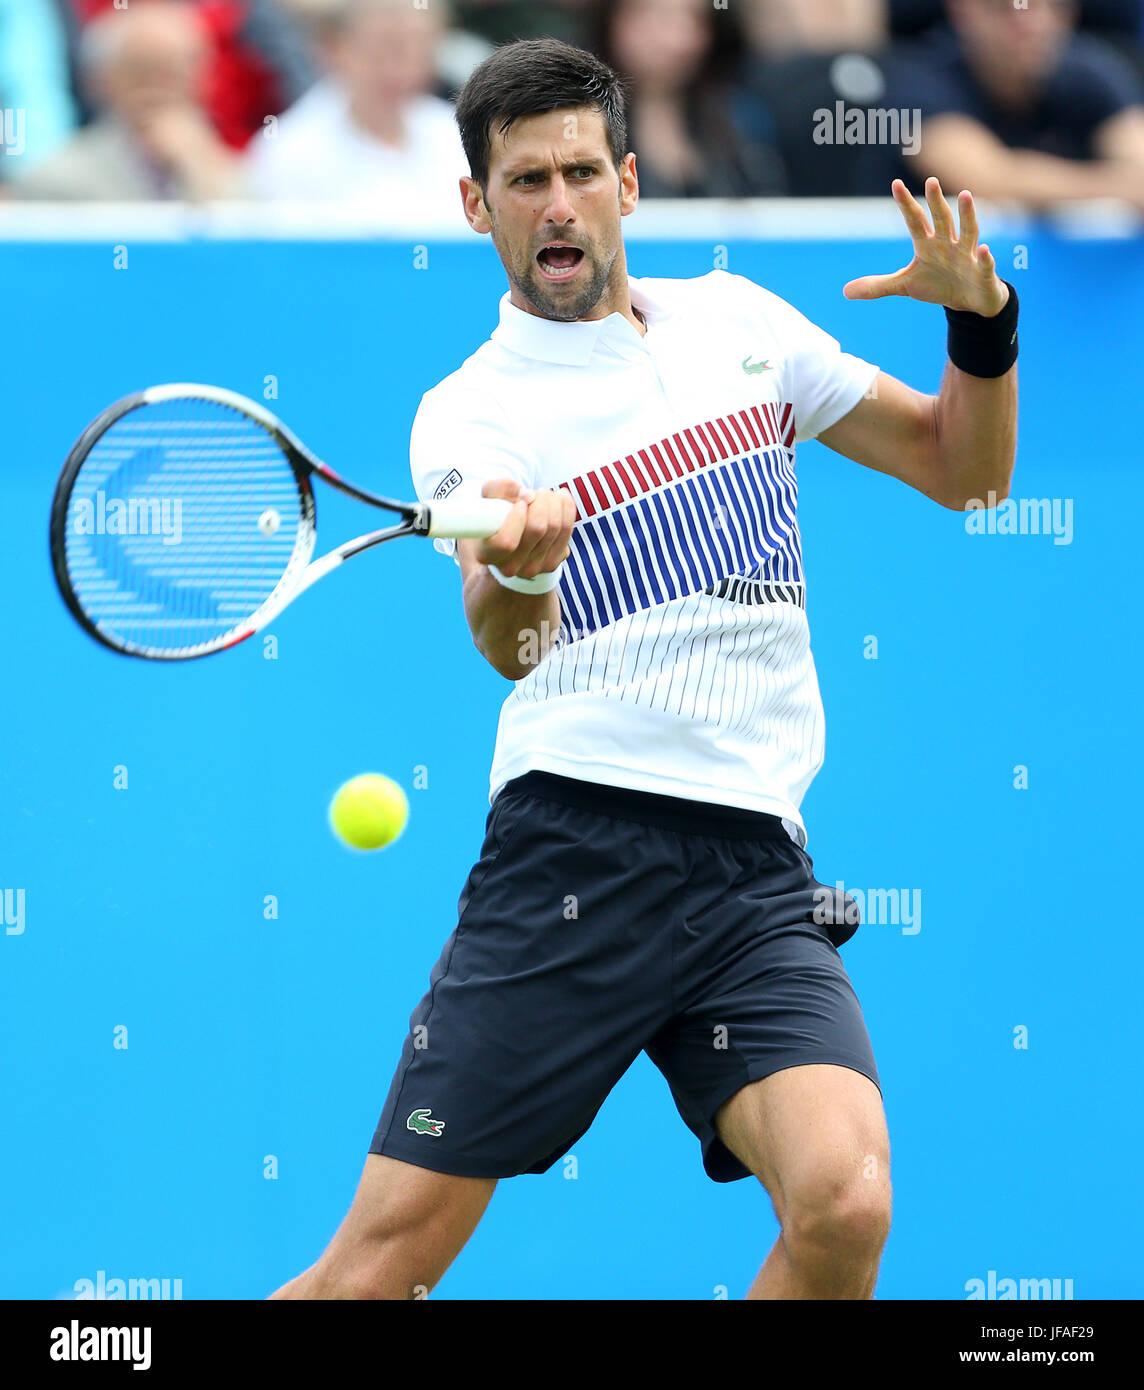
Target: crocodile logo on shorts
[420,1123]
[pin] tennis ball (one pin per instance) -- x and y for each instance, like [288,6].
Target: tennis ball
[369,811]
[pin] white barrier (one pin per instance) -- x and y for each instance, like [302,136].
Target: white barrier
[764,219]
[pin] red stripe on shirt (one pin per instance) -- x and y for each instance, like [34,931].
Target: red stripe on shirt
[696,450]
[695,446]
[650,468]
[749,425]
[764,427]
[644,485]
[597,488]
[735,446]
[665,457]
[586,508]
[744,444]
[680,450]
[624,478]
[610,479]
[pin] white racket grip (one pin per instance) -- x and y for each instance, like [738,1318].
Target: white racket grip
[472,518]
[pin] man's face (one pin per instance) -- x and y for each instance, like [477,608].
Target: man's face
[553,206]
[1018,43]
[384,55]
[661,43]
[158,64]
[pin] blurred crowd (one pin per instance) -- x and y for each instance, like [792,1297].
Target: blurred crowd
[350,101]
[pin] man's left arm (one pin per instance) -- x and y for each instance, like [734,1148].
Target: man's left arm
[958,446]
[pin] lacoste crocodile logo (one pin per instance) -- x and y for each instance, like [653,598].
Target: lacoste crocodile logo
[754,368]
[420,1123]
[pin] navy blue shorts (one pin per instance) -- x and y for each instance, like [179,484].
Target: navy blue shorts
[598,923]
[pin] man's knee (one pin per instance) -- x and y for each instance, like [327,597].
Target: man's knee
[844,1212]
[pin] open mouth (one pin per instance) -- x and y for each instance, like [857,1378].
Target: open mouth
[559,260]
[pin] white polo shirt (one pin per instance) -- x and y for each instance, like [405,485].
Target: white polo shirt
[683,662]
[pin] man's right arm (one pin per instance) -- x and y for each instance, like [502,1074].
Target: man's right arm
[513,630]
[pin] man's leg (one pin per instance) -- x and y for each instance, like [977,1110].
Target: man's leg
[815,1137]
[403,1231]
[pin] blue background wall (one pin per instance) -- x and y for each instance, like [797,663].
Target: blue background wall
[250,1037]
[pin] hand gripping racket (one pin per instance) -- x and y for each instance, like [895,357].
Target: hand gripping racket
[184,521]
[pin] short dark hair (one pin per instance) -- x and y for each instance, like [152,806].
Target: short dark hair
[528,78]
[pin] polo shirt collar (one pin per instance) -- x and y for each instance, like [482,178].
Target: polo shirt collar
[572,344]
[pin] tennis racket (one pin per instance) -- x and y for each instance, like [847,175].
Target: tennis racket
[184,521]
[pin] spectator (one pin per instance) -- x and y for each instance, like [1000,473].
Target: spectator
[258,60]
[459,50]
[781,28]
[371,132]
[808,59]
[1016,105]
[36,108]
[151,137]
[1120,22]
[696,133]
[1112,19]
[500,21]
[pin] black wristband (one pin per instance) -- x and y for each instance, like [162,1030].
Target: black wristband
[983,346]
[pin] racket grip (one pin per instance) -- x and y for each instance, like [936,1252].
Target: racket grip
[473,518]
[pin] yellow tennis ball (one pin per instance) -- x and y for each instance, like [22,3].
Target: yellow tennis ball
[369,812]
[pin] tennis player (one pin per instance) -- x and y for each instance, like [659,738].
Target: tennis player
[644,883]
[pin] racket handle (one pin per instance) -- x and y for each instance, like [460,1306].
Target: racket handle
[474,518]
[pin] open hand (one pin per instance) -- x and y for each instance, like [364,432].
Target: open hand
[947,268]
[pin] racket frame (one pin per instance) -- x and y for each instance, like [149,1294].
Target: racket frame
[301,569]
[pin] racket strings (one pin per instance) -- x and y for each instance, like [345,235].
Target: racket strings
[184,519]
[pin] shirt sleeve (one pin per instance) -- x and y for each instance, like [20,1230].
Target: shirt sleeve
[822,382]
[459,441]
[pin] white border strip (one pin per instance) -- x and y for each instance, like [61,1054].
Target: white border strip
[762,219]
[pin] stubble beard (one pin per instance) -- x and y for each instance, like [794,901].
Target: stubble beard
[550,300]
[555,303]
